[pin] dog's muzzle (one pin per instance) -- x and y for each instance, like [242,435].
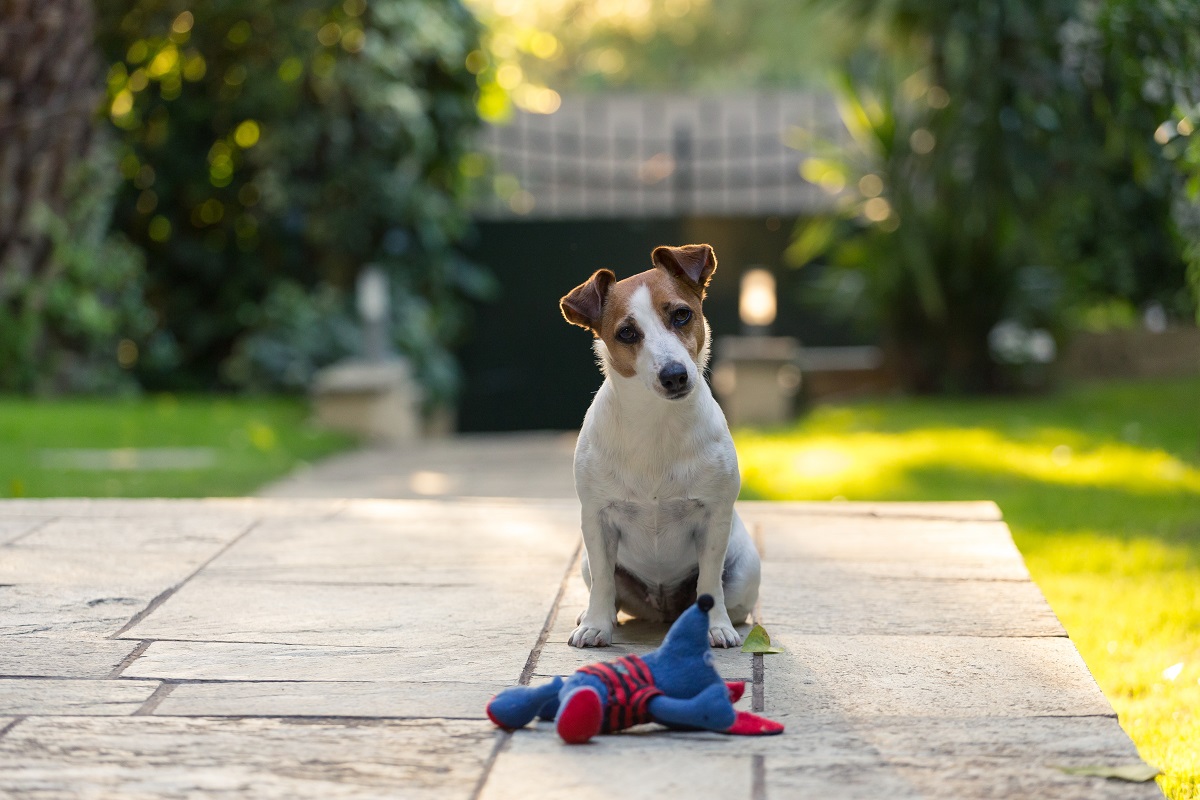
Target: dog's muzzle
[674,380]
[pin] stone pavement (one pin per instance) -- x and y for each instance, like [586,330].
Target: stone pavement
[474,465]
[346,648]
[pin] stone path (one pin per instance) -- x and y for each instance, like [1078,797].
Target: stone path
[346,648]
[530,465]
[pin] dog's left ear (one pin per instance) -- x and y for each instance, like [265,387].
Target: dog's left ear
[585,303]
[694,264]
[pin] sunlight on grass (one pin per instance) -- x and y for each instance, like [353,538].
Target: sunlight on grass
[159,446]
[1101,488]
[853,464]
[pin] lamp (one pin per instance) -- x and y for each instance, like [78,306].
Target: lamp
[756,301]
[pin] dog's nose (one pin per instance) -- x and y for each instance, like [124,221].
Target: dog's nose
[673,377]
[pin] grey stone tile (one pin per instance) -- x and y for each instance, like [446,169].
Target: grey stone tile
[1007,778]
[900,547]
[178,757]
[785,776]
[836,597]
[163,533]
[428,699]
[954,510]
[12,528]
[49,696]
[80,656]
[499,661]
[92,508]
[475,608]
[93,575]
[69,610]
[531,465]
[538,764]
[1041,740]
[128,572]
[945,757]
[929,676]
[396,546]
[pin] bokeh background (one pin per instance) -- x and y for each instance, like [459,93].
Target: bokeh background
[982,221]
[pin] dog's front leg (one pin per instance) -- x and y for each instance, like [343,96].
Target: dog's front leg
[712,544]
[600,540]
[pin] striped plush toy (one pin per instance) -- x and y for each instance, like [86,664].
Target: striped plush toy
[676,686]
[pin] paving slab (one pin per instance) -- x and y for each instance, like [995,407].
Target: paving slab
[443,659]
[928,677]
[316,647]
[50,696]
[829,598]
[474,609]
[184,757]
[13,528]
[379,698]
[899,547]
[62,656]
[529,465]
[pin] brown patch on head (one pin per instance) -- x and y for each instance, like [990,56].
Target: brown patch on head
[692,264]
[584,305]
[668,297]
[676,287]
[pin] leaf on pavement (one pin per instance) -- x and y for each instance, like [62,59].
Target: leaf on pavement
[758,641]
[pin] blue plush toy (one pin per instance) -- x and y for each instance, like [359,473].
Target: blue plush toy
[676,685]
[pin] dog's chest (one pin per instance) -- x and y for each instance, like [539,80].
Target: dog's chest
[657,537]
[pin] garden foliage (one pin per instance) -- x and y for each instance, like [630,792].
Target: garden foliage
[273,148]
[1004,168]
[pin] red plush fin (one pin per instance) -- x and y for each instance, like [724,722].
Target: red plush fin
[580,717]
[748,724]
[495,721]
[736,690]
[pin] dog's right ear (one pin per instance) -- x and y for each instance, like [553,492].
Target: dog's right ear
[584,304]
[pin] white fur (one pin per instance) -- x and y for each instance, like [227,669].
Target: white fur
[657,479]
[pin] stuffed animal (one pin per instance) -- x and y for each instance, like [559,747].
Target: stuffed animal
[676,686]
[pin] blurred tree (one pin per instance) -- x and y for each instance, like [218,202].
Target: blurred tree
[70,304]
[1004,171]
[276,145]
[1155,45]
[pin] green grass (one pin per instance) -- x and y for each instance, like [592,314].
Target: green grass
[1101,488]
[252,441]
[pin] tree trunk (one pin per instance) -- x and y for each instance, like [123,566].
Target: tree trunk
[49,91]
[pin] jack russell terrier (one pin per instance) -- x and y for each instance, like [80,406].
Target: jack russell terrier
[655,467]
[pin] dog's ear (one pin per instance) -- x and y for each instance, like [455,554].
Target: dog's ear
[694,264]
[583,305]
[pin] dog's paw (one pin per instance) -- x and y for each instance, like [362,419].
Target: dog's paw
[588,635]
[724,635]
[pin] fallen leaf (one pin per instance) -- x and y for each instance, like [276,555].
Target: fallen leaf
[1135,773]
[758,641]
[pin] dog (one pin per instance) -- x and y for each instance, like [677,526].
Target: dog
[655,468]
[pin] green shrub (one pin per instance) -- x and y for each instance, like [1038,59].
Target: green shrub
[1001,169]
[78,324]
[289,143]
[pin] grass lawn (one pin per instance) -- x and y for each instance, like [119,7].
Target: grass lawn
[162,446]
[1101,487]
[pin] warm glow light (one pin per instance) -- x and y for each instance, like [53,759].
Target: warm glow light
[756,305]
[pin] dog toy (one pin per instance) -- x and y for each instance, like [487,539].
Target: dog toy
[675,685]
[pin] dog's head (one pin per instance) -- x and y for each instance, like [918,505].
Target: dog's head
[650,326]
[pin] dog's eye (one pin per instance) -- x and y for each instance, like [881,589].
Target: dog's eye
[681,317]
[628,335]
